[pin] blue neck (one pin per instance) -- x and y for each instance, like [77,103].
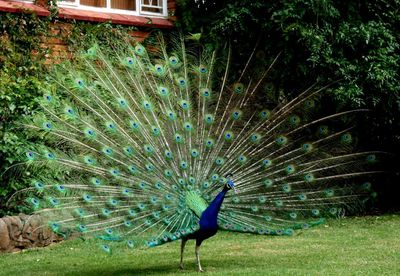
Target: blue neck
[208,219]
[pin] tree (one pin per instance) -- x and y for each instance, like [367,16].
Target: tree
[354,44]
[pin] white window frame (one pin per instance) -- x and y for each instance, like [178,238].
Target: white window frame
[163,7]
[75,4]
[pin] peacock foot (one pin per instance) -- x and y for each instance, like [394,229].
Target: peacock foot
[181,266]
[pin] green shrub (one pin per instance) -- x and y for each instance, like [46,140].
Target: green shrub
[21,81]
[23,76]
[352,45]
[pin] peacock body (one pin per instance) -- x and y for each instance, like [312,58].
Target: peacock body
[145,146]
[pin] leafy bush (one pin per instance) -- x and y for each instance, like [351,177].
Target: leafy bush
[23,76]
[21,81]
[354,45]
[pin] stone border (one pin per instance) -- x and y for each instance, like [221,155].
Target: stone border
[24,231]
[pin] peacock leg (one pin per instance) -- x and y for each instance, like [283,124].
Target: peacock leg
[182,249]
[197,251]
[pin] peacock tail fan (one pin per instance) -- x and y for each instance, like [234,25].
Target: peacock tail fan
[140,139]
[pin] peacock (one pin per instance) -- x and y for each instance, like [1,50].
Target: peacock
[148,145]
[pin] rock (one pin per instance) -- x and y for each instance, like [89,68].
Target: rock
[7,221]
[26,220]
[23,217]
[4,236]
[35,221]
[50,236]
[27,233]
[33,228]
[14,225]
[16,222]
[24,231]
[22,243]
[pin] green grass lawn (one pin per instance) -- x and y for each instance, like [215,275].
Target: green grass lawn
[351,246]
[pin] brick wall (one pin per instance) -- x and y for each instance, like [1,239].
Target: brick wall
[55,41]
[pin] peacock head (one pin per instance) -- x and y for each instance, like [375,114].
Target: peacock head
[229,183]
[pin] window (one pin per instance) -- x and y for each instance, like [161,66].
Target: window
[135,7]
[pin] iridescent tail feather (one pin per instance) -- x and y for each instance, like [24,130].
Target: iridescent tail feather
[140,142]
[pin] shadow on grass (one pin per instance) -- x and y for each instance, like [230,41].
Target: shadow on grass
[209,265]
[153,270]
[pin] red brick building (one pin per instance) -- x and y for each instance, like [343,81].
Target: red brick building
[143,14]
[150,13]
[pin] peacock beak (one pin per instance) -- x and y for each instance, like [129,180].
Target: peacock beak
[231,185]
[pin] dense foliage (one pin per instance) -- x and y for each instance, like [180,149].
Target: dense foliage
[23,72]
[21,81]
[354,44]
